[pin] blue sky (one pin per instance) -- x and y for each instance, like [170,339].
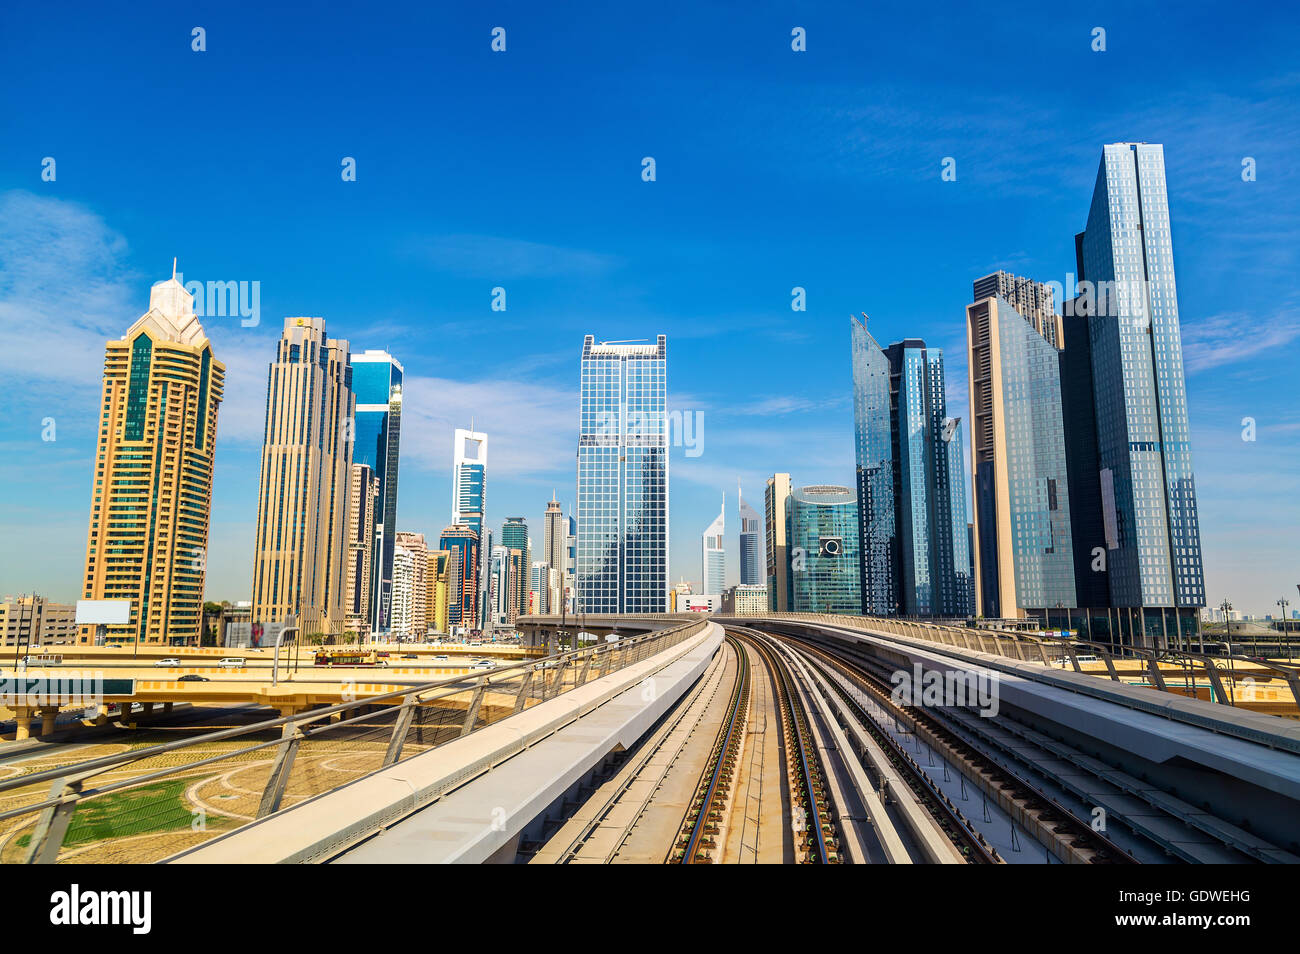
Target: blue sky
[522,169]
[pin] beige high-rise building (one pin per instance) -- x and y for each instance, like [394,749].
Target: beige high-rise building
[302,523]
[148,536]
[363,494]
[35,621]
[775,496]
[418,626]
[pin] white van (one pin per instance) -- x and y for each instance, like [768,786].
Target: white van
[232,662]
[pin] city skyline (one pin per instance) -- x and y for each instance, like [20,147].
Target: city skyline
[101,254]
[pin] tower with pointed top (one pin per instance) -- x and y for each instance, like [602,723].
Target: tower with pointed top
[152,492]
[713,554]
[751,531]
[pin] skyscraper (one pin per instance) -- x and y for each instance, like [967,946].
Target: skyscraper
[623,478]
[776,496]
[364,492]
[403,591]
[418,547]
[751,528]
[301,537]
[461,544]
[148,534]
[437,583]
[555,552]
[713,554]
[469,492]
[911,492]
[824,566]
[514,536]
[873,447]
[377,384]
[1024,559]
[1147,489]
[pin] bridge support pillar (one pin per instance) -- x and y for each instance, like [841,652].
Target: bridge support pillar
[167,706]
[146,709]
[102,718]
[48,716]
[24,717]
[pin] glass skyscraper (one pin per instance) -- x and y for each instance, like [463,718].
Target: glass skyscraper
[873,448]
[377,384]
[713,555]
[751,530]
[824,565]
[514,536]
[622,485]
[1148,491]
[911,492]
[1023,540]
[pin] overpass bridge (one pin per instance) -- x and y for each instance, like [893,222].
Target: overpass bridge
[686,739]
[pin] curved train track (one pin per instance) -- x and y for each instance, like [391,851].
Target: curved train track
[1072,839]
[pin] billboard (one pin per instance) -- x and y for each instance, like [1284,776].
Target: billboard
[107,612]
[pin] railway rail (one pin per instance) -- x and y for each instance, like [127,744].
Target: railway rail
[700,836]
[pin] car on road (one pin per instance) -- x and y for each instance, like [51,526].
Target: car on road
[232,662]
[439,657]
[410,656]
[484,664]
[193,677]
[169,661]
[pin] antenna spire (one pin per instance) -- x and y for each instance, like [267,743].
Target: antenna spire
[173,269]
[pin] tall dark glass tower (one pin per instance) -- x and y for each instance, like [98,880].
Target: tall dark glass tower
[1147,489]
[377,384]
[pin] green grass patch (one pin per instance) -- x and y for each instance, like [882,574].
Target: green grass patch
[157,807]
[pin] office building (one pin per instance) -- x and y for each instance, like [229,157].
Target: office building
[1024,553]
[1144,479]
[514,536]
[776,495]
[148,534]
[555,552]
[363,489]
[437,582]
[469,492]
[623,478]
[403,592]
[377,384]
[540,589]
[874,452]
[1033,301]
[745,599]
[824,566]
[910,484]
[419,550]
[33,621]
[301,536]
[713,554]
[751,531]
[461,544]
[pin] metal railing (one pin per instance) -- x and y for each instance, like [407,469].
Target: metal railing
[1054,650]
[148,803]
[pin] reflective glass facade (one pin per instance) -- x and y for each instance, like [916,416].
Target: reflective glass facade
[377,384]
[873,447]
[825,570]
[1148,490]
[1022,494]
[622,480]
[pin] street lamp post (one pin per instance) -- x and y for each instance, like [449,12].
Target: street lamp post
[1283,603]
[1226,606]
